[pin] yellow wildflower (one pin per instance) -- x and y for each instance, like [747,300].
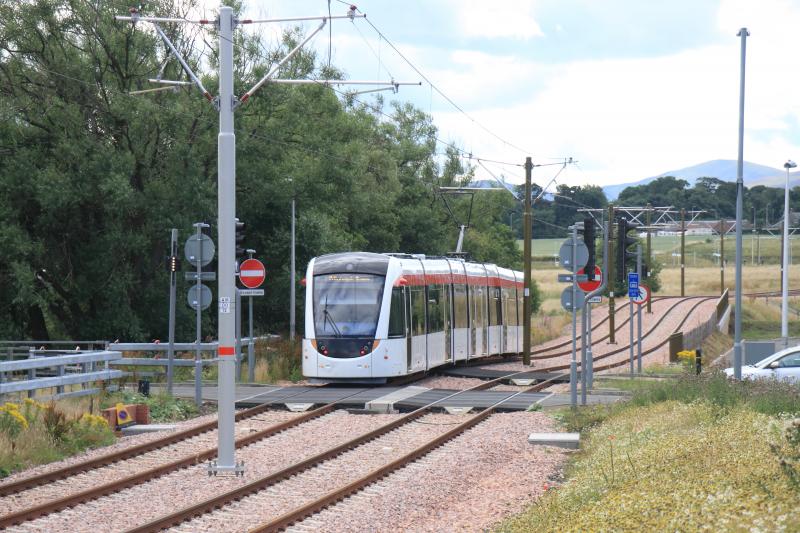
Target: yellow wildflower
[16,415]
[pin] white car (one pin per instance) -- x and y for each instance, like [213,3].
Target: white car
[782,366]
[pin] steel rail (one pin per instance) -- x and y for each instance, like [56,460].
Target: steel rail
[114,457]
[336,495]
[220,500]
[72,500]
[618,328]
[644,352]
[332,497]
[659,345]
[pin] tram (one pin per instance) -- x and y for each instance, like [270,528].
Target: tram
[370,317]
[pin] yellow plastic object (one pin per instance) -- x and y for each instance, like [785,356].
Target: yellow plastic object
[124,418]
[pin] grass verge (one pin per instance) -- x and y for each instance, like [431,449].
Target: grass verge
[684,454]
[33,433]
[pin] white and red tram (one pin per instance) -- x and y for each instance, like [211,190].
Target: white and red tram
[369,317]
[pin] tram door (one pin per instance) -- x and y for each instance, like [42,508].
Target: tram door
[407,312]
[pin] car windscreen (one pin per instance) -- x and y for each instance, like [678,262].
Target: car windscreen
[347,305]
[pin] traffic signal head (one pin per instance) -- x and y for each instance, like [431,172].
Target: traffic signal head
[625,256]
[239,240]
[589,239]
[173,263]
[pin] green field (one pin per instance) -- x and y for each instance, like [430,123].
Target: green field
[701,250]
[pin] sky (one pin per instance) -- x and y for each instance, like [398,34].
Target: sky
[629,89]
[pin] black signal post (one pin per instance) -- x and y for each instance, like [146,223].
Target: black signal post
[624,242]
[589,238]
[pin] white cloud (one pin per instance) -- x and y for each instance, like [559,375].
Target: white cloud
[627,119]
[623,118]
[493,19]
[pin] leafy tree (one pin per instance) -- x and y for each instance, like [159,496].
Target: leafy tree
[93,178]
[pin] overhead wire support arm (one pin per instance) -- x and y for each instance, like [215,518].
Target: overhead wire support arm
[183,63]
[345,82]
[135,17]
[246,96]
[302,19]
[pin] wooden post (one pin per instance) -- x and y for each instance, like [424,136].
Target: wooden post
[721,257]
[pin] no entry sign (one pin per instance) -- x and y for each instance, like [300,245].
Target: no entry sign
[252,273]
[589,286]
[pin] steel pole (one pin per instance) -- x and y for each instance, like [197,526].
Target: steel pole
[173,251]
[226,206]
[785,266]
[737,343]
[753,240]
[649,251]
[251,356]
[526,246]
[598,291]
[639,313]
[292,298]
[198,365]
[573,365]
[611,275]
[584,364]
[683,252]
[630,324]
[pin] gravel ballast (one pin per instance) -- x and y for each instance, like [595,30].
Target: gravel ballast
[191,485]
[128,467]
[477,479]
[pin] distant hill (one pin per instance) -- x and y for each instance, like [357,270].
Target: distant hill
[724,169]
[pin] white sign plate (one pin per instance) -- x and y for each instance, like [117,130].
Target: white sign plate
[251,292]
[224,305]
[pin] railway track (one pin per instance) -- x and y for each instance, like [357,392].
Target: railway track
[345,461]
[26,483]
[392,435]
[75,500]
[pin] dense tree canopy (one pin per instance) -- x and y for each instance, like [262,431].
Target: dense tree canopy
[716,197]
[93,178]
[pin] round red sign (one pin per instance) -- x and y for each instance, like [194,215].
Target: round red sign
[252,273]
[589,286]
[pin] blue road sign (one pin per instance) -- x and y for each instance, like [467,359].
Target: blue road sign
[633,285]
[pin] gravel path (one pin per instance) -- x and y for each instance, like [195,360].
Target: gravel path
[140,504]
[134,465]
[477,479]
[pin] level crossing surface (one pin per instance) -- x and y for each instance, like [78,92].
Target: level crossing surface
[406,397]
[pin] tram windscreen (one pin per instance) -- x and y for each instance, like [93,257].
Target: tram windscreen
[347,305]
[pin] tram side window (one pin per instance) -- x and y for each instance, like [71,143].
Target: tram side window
[510,299]
[460,304]
[495,306]
[479,301]
[397,315]
[418,310]
[446,307]
[435,302]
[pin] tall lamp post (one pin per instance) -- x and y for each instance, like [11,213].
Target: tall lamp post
[785,266]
